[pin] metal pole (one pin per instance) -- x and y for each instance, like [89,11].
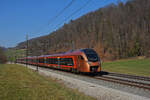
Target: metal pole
[37,67]
[73,46]
[26,49]
[103,37]
[15,59]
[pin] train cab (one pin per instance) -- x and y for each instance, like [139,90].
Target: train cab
[92,59]
[88,61]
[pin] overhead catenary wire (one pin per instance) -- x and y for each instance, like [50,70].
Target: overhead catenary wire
[56,16]
[73,13]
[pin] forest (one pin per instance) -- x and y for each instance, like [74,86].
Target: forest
[114,32]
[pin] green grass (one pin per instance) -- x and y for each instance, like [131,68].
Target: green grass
[20,83]
[135,66]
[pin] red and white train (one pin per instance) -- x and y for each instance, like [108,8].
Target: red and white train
[83,60]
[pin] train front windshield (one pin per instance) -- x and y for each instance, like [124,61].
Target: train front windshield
[91,55]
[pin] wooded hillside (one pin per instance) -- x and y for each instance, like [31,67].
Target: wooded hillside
[116,31]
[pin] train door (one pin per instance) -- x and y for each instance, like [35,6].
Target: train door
[76,64]
[80,63]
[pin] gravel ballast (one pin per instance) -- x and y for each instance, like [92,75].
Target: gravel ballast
[88,88]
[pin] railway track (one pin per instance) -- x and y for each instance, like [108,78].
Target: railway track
[124,79]
[125,82]
[129,76]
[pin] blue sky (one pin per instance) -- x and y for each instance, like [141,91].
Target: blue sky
[33,17]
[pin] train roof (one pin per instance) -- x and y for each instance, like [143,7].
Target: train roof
[68,53]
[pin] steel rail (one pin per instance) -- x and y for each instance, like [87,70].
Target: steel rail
[124,82]
[130,76]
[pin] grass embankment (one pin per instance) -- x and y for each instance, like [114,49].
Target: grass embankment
[20,83]
[133,66]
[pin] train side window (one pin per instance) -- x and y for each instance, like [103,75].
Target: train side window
[41,60]
[36,61]
[69,61]
[66,61]
[55,61]
[50,60]
[81,57]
